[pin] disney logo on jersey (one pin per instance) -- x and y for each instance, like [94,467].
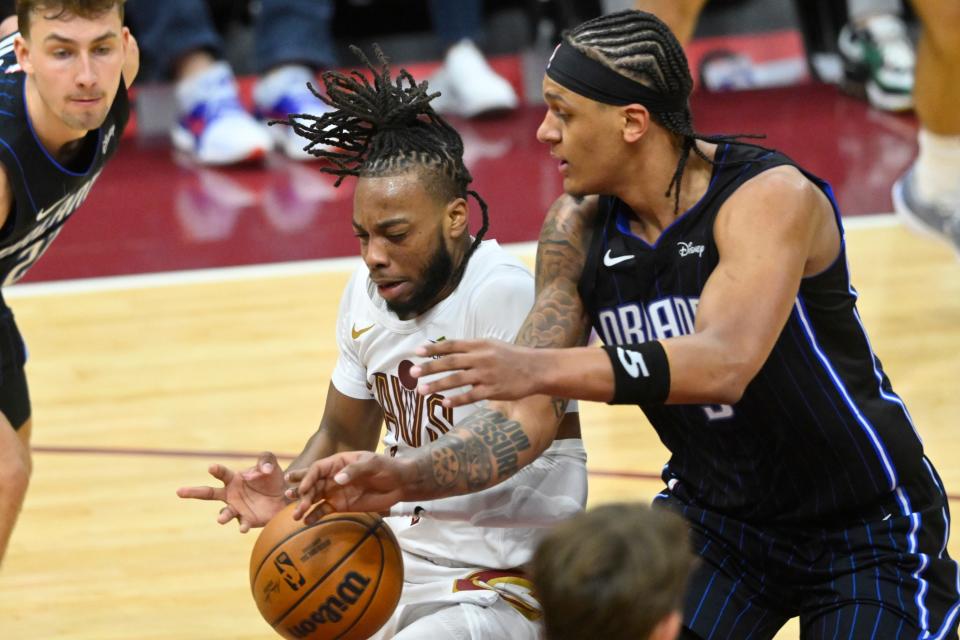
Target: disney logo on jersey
[107,138]
[688,248]
[413,418]
[634,322]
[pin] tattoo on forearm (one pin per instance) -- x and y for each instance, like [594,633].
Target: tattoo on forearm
[467,456]
[558,318]
[446,462]
[484,448]
[504,438]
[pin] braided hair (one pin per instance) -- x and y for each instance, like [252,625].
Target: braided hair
[638,45]
[384,128]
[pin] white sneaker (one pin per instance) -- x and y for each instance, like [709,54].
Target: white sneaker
[282,93]
[880,56]
[468,86]
[936,219]
[212,126]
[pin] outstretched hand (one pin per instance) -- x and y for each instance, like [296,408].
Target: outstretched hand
[252,496]
[493,370]
[350,481]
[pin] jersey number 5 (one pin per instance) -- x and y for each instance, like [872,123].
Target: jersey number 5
[718,411]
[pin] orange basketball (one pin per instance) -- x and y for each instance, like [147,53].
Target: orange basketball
[339,578]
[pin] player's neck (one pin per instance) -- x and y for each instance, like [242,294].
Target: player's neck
[653,209]
[61,141]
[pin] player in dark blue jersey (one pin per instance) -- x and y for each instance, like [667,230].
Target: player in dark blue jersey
[716,273]
[63,108]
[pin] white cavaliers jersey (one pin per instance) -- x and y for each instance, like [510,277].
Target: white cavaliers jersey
[376,354]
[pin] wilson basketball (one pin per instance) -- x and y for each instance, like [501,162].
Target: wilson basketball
[338,578]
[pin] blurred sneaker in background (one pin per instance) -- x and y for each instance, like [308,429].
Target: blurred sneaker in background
[212,126]
[468,86]
[281,93]
[939,218]
[879,59]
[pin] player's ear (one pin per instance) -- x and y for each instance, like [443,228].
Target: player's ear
[636,121]
[22,48]
[457,217]
[131,53]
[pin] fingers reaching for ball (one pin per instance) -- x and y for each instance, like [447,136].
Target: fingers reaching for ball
[251,496]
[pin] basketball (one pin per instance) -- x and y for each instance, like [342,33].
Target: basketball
[338,578]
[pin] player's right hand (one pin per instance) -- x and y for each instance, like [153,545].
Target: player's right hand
[252,496]
[350,481]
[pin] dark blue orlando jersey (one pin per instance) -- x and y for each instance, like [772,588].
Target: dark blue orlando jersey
[819,430]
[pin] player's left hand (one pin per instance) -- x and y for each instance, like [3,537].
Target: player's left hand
[493,369]
[252,496]
[349,481]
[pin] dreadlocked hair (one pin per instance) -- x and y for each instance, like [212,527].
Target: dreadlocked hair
[387,127]
[638,45]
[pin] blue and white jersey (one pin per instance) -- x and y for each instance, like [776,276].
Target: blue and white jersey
[818,432]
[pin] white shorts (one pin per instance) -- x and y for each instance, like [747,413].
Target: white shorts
[462,604]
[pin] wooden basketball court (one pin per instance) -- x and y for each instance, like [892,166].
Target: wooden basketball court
[139,384]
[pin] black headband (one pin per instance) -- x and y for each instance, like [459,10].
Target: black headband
[582,74]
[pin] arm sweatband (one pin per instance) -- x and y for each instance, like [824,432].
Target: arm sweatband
[641,373]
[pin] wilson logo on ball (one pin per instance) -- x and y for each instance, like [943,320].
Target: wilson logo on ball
[348,593]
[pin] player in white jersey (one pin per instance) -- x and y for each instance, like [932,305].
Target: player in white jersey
[424,279]
[449,554]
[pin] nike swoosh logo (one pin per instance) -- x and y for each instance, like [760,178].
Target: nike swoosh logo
[356,333]
[609,260]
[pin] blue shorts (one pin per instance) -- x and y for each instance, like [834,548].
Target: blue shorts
[14,394]
[885,575]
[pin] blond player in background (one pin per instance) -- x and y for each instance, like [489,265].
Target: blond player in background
[64,95]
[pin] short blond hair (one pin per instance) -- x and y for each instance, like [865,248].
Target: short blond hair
[614,572]
[82,8]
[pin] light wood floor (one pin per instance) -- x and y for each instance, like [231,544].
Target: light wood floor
[104,550]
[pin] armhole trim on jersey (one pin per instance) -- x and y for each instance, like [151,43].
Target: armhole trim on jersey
[26,187]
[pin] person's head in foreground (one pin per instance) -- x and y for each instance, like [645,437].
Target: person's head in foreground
[616,572]
[410,207]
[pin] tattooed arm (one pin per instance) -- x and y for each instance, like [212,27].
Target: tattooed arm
[557,318]
[494,442]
